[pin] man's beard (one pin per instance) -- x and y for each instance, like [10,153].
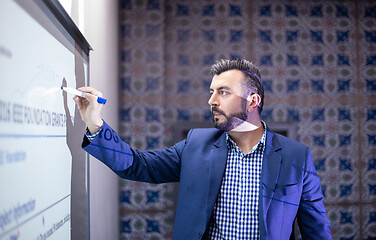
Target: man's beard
[232,120]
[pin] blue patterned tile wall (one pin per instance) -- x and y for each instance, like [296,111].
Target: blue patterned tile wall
[318,63]
[317,60]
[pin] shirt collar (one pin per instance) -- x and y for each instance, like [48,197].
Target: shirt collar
[231,144]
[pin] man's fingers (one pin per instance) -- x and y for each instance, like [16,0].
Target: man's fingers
[89,107]
[81,102]
[92,98]
[77,101]
[90,90]
[86,89]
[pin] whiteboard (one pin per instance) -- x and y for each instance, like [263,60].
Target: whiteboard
[43,170]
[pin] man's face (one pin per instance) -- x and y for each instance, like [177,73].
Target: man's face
[229,109]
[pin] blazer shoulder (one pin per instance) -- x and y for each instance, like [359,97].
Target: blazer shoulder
[285,141]
[288,146]
[204,135]
[206,131]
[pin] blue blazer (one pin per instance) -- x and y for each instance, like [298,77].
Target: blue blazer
[290,187]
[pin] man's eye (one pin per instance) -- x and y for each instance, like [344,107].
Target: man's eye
[224,93]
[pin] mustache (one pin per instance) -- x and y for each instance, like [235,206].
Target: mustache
[216,109]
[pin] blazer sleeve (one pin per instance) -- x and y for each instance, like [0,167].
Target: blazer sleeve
[157,166]
[312,219]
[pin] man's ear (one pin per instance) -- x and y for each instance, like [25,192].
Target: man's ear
[254,101]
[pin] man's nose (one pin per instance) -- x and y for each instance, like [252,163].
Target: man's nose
[213,99]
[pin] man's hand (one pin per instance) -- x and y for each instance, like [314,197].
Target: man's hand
[89,108]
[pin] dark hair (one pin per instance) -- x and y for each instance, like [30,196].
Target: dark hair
[251,72]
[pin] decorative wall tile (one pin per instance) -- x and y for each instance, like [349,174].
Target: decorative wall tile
[369,221]
[142,196]
[140,226]
[345,222]
[368,153]
[310,69]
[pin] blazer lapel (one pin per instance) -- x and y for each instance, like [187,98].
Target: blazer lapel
[218,159]
[269,176]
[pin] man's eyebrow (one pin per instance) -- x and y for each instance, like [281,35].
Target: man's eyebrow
[221,88]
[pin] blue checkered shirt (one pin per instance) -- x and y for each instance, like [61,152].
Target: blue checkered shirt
[235,214]
[90,136]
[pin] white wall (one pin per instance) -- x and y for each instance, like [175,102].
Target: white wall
[98,21]
[101,31]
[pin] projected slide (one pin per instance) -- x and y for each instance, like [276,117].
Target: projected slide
[35,161]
